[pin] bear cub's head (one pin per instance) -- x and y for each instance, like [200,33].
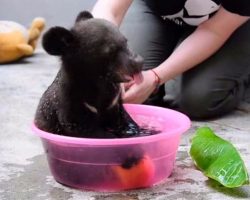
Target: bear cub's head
[93,48]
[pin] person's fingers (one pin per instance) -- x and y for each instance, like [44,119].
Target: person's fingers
[138,78]
[130,96]
[122,89]
[127,85]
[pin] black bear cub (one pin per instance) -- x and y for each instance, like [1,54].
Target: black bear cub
[84,100]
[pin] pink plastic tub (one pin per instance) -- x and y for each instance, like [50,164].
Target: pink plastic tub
[98,164]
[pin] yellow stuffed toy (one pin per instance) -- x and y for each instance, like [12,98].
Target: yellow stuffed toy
[16,41]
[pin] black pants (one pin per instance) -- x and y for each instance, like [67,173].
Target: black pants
[211,89]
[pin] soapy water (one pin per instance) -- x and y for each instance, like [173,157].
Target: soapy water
[149,125]
[147,131]
[141,127]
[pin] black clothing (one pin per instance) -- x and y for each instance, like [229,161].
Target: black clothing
[211,89]
[194,12]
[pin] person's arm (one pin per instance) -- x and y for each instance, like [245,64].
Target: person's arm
[201,44]
[111,10]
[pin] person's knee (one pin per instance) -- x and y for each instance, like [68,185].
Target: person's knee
[194,103]
[203,102]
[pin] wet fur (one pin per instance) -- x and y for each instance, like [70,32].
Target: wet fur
[84,100]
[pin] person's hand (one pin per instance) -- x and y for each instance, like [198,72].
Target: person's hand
[138,91]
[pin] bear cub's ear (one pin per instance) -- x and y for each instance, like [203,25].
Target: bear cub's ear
[57,40]
[84,15]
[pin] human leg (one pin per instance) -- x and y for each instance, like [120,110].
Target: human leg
[151,37]
[216,86]
[148,35]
